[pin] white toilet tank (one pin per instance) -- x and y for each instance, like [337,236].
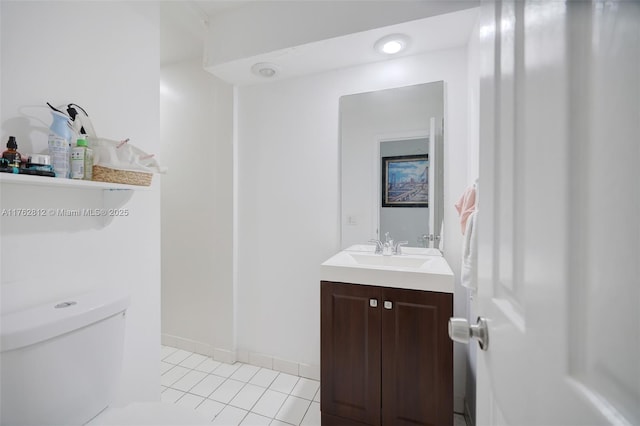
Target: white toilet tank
[60,362]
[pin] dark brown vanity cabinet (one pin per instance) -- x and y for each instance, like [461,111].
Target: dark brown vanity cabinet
[386,357]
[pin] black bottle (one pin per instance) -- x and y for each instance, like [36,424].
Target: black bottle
[11,154]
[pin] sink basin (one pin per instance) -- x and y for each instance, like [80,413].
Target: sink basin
[410,271]
[393,261]
[370,248]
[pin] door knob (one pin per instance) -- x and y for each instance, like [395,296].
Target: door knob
[461,331]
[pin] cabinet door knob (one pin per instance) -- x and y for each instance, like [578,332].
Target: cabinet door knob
[388,304]
[373,303]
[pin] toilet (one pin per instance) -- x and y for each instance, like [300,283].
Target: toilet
[60,364]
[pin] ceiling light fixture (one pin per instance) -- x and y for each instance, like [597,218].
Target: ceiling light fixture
[265,69]
[392,44]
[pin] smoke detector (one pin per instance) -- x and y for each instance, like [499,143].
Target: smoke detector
[265,69]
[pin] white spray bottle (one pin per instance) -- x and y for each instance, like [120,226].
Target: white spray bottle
[60,137]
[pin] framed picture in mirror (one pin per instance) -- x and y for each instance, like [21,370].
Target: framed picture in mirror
[405,181]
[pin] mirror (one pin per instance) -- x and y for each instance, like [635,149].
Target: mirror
[391,165]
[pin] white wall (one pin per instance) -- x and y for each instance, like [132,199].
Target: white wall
[288,196]
[196,113]
[103,56]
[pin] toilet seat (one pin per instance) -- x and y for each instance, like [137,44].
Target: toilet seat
[149,413]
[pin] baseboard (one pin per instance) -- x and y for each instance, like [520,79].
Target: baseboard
[187,345]
[470,419]
[294,368]
[458,404]
[309,371]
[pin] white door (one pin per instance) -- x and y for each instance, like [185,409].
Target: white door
[559,213]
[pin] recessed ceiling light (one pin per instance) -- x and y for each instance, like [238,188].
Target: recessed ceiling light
[392,44]
[265,69]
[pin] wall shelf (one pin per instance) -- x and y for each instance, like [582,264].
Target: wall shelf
[66,183]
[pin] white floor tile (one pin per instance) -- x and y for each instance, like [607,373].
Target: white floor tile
[207,385]
[165,366]
[210,408]
[254,419]
[189,401]
[284,383]
[208,365]
[173,375]
[269,404]
[229,416]
[247,397]
[312,418]
[293,410]
[226,391]
[193,360]
[177,357]
[226,370]
[165,351]
[189,380]
[233,394]
[171,395]
[245,373]
[264,377]
[306,388]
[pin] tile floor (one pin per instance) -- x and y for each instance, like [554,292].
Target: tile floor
[240,394]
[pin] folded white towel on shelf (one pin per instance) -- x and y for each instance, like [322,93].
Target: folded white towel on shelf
[469,269]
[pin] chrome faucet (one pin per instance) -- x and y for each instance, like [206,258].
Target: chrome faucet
[428,240]
[379,246]
[383,248]
[388,248]
[397,249]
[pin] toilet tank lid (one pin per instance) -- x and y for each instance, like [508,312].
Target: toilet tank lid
[33,325]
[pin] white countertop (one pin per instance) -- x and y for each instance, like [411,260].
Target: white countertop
[424,272]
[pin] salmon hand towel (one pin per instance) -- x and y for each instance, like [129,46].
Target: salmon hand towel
[465,206]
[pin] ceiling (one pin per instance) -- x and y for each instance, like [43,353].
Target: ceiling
[429,34]
[183,31]
[183,26]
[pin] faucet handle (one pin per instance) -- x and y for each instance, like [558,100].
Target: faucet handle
[398,246]
[378,244]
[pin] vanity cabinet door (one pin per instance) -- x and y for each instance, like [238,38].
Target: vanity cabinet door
[417,358]
[350,354]
[386,356]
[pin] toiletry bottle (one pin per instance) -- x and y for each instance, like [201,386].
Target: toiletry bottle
[88,161]
[78,154]
[12,156]
[60,144]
